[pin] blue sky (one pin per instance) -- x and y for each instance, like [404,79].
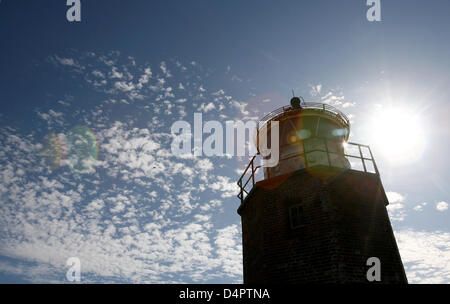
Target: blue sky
[134,212]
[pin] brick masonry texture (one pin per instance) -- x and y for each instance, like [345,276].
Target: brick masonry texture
[345,222]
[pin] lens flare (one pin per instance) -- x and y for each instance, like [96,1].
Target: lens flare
[82,149]
[399,135]
[51,152]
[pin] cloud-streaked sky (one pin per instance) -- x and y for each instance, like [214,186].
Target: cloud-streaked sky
[86,109]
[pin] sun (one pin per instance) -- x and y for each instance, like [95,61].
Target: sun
[398,133]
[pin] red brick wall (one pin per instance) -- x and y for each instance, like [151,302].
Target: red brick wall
[345,223]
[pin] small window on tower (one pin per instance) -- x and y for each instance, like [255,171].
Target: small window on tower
[296,216]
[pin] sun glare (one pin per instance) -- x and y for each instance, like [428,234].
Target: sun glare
[398,134]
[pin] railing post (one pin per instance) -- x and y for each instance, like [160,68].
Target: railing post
[362,158]
[373,161]
[257,139]
[326,149]
[253,173]
[241,194]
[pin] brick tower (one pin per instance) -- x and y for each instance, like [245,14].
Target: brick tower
[320,213]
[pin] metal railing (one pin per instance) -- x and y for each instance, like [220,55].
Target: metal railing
[325,108]
[252,178]
[365,159]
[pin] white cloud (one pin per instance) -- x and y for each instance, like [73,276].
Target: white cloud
[419,208]
[115,73]
[394,197]
[52,117]
[241,106]
[236,78]
[64,103]
[333,97]
[98,73]
[348,104]
[206,108]
[442,206]
[144,78]
[204,164]
[124,86]
[119,233]
[315,90]
[396,207]
[95,205]
[230,250]
[66,61]
[218,93]
[223,184]
[164,69]
[425,255]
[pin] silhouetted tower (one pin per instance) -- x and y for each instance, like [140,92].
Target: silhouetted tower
[320,214]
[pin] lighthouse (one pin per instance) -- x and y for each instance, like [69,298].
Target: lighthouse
[319,214]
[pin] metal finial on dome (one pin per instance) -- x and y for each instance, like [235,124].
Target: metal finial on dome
[296,102]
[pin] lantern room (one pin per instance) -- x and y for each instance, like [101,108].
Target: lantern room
[310,134]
